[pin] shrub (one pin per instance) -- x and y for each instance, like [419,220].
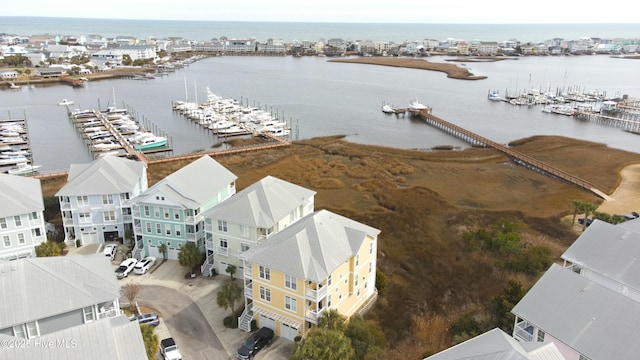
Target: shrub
[78,243]
[253,325]
[230,322]
[381,282]
[465,326]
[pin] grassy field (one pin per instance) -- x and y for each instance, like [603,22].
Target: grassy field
[423,201]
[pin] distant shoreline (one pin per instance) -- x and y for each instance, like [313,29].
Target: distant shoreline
[452,71]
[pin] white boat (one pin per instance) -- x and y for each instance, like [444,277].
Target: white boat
[233,131]
[415,105]
[108,146]
[494,95]
[66,102]
[280,132]
[151,143]
[13,159]
[221,124]
[386,108]
[14,86]
[24,168]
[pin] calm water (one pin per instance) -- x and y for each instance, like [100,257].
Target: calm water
[261,31]
[323,98]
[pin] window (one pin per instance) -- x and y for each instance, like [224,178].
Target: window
[540,336]
[107,199]
[82,200]
[17,220]
[3,223]
[357,259]
[290,304]
[244,247]
[84,217]
[36,232]
[370,267]
[147,212]
[88,313]
[178,230]
[244,230]
[222,226]
[18,331]
[176,215]
[328,301]
[265,294]
[167,230]
[156,212]
[223,243]
[371,247]
[290,282]
[166,213]
[109,216]
[21,239]
[329,280]
[148,228]
[34,216]
[32,329]
[158,229]
[265,273]
[6,240]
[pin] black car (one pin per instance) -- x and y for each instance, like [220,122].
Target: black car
[255,342]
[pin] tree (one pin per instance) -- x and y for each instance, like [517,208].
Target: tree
[231,270]
[150,341]
[588,209]
[126,59]
[48,248]
[331,320]
[131,291]
[228,295]
[577,208]
[163,250]
[367,340]
[501,305]
[381,282]
[323,344]
[189,255]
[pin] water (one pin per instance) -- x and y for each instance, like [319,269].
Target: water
[321,98]
[289,31]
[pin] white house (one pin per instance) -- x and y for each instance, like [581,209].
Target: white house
[96,200]
[65,307]
[250,217]
[21,217]
[590,308]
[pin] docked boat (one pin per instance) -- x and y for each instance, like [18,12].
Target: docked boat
[24,169]
[14,86]
[386,108]
[151,142]
[66,102]
[13,159]
[234,130]
[494,95]
[415,105]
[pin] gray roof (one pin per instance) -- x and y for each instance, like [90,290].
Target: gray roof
[497,345]
[262,204]
[36,288]
[19,195]
[589,318]
[107,175]
[610,250]
[105,339]
[313,247]
[192,185]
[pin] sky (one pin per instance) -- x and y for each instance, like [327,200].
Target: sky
[350,11]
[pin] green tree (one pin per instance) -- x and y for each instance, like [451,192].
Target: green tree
[577,209]
[189,255]
[151,341]
[126,60]
[332,320]
[163,250]
[381,282]
[588,209]
[48,248]
[231,270]
[323,344]
[228,295]
[501,305]
[367,340]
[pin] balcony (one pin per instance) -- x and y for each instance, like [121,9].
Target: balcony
[248,290]
[222,251]
[108,313]
[209,245]
[248,273]
[316,295]
[524,331]
[65,206]
[313,315]
[67,221]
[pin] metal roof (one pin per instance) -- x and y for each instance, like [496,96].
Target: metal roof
[591,319]
[105,339]
[262,204]
[497,345]
[192,185]
[610,250]
[36,288]
[107,175]
[19,195]
[313,247]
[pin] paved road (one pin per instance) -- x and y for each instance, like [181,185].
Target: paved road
[185,321]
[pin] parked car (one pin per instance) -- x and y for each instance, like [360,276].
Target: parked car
[125,268]
[144,265]
[582,220]
[110,251]
[147,319]
[254,343]
[169,350]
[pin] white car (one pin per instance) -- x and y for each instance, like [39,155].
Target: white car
[144,265]
[110,251]
[125,268]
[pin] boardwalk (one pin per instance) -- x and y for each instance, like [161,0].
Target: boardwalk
[516,156]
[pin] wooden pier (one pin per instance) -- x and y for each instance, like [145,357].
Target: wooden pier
[515,156]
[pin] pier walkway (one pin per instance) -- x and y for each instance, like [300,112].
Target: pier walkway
[514,155]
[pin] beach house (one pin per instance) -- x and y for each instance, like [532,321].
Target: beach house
[22,225]
[320,262]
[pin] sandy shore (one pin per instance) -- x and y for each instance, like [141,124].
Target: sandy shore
[626,197]
[452,71]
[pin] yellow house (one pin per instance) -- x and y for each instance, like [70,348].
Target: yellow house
[323,261]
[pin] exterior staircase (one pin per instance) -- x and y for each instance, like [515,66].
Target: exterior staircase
[244,321]
[206,267]
[137,251]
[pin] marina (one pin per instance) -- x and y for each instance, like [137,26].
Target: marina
[15,150]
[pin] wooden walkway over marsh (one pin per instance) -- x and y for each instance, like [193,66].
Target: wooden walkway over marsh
[515,156]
